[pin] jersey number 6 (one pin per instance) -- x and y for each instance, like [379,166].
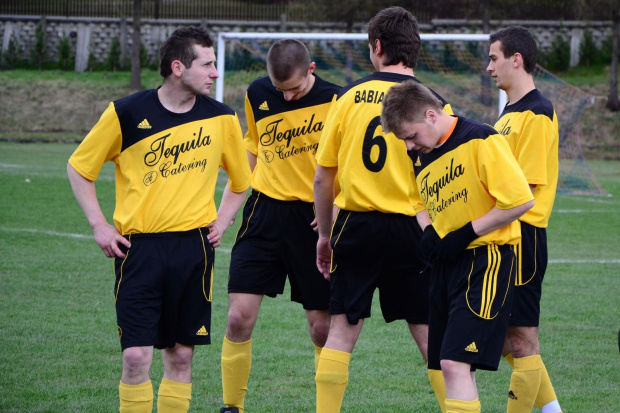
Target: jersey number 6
[371,140]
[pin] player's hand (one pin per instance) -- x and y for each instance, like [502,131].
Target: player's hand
[324,256]
[108,238]
[314,225]
[215,233]
[428,242]
[455,242]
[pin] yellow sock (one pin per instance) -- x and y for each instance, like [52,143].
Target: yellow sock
[524,384]
[508,357]
[439,386]
[332,376]
[173,397]
[236,364]
[317,355]
[462,406]
[546,393]
[136,398]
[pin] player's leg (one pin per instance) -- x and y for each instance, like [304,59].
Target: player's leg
[530,382]
[255,270]
[332,374]
[318,326]
[475,318]
[237,347]
[308,286]
[135,388]
[175,390]
[186,316]
[137,320]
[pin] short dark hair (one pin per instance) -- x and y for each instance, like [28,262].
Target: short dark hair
[407,102]
[517,39]
[180,46]
[286,58]
[399,33]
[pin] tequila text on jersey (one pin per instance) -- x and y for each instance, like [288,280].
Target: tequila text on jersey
[505,129]
[159,150]
[369,96]
[428,191]
[272,134]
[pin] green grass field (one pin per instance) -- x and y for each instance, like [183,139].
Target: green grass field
[60,351]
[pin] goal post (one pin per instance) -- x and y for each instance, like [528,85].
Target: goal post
[223,37]
[453,65]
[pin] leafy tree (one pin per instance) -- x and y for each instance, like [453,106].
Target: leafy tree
[38,53]
[64,53]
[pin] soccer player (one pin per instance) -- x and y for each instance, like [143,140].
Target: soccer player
[286,113]
[168,145]
[378,212]
[530,126]
[474,192]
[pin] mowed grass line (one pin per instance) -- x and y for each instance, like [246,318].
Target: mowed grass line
[60,352]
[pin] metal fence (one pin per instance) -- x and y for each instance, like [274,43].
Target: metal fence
[308,10]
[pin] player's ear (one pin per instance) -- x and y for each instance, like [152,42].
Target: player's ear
[517,60]
[177,67]
[312,67]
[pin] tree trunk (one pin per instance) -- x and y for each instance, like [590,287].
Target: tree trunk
[612,102]
[136,82]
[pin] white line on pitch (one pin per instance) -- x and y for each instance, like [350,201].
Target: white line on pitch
[570,261]
[69,235]
[582,211]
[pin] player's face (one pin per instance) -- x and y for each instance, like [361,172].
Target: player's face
[419,136]
[297,86]
[199,77]
[500,68]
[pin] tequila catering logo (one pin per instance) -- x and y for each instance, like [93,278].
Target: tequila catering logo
[433,193]
[281,139]
[167,157]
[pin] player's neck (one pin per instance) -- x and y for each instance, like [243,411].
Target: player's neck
[397,68]
[519,89]
[176,99]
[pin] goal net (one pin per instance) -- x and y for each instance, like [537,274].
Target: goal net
[454,65]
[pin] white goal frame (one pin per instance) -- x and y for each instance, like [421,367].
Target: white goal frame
[223,36]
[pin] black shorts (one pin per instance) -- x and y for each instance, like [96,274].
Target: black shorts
[374,250]
[470,307]
[163,289]
[274,240]
[531,266]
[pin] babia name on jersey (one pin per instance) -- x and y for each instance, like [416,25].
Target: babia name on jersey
[159,151]
[272,134]
[369,96]
[432,194]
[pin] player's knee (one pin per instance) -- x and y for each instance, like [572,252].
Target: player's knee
[239,325]
[318,326]
[136,358]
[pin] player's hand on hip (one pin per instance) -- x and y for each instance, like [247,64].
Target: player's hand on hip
[108,238]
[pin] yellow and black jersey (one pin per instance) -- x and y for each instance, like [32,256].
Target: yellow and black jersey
[465,177]
[530,126]
[284,136]
[166,163]
[374,170]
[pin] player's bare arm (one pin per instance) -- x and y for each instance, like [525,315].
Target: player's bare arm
[106,235]
[323,202]
[229,206]
[497,218]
